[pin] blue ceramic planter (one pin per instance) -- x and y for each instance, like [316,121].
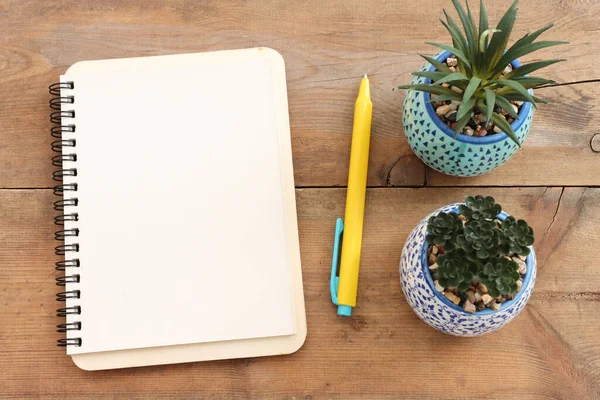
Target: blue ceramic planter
[434,143]
[436,310]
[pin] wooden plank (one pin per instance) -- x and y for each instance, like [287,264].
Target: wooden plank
[327,47]
[552,350]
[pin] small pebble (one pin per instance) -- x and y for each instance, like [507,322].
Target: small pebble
[432,259]
[446,85]
[452,297]
[442,110]
[480,306]
[482,118]
[451,116]
[475,280]
[468,131]
[477,296]
[522,257]
[455,103]
[499,299]
[507,70]
[482,288]
[462,217]
[515,108]
[519,285]
[434,266]
[486,298]
[510,296]
[495,306]
[451,62]
[518,103]
[434,250]
[481,132]
[470,295]
[453,69]
[469,307]
[438,287]
[496,129]
[453,125]
[511,120]
[456,89]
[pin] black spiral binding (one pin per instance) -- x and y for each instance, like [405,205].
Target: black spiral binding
[65,147]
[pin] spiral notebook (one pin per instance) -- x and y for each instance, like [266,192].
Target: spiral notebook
[177,210]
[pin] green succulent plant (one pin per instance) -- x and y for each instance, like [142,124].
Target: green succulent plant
[455,270]
[479,240]
[479,207]
[482,56]
[500,276]
[515,236]
[442,230]
[479,246]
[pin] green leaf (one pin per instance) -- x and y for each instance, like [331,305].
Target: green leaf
[458,39]
[483,24]
[531,82]
[459,54]
[500,40]
[471,87]
[530,37]
[506,105]
[434,76]
[514,96]
[440,66]
[503,124]
[529,68]
[445,97]
[460,124]
[465,108]
[469,31]
[455,76]
[516,86]
[490,101]
[513,54]
[434,89]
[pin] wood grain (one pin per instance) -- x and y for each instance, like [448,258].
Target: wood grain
[327,47]
[551,350]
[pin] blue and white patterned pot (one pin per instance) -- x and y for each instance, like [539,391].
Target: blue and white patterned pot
[439,312]
[434,143]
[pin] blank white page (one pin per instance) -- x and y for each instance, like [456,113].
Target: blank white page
[182,200]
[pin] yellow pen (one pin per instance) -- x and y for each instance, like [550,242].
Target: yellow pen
[344,287]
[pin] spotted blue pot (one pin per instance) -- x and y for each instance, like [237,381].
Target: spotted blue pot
[437,311]
[434,143]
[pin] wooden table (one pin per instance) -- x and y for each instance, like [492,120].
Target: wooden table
[551,350]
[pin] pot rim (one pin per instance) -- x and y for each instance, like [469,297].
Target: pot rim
[487,311]
[526,108]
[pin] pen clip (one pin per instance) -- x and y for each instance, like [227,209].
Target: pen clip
[335,262]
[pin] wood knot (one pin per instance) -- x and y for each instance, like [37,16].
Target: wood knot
[595,143]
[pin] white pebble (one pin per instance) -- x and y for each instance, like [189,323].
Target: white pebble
[477,296]
[482,288]
[434,266]
[453,69]
[451,62]
[496,129]
[471,295]
[515,108]
[442,110]
[469,307]
[456,89]
[519,285]
[507,70]
[486,298]
[519,103]
[495,306]
[468,131]
[438,287]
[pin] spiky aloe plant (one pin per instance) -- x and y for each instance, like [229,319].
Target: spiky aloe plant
[482,57]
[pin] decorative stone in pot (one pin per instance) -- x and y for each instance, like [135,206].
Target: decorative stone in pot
[437,310]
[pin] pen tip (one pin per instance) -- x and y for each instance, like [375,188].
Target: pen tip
[365,76]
